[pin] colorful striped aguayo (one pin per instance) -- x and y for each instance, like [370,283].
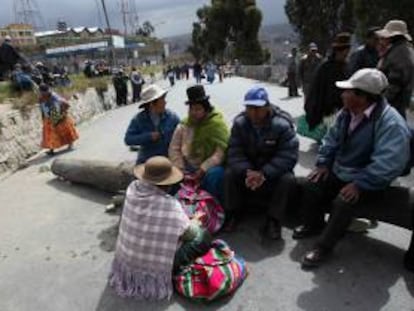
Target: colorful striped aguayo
[216,274]
[195,200]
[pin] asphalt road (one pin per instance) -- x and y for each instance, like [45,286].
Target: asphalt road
[57,243]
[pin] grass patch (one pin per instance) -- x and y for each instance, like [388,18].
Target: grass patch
[80,84]
[6,91]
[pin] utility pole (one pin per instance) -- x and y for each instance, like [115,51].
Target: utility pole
[28,12]
[108,25]
[125,13]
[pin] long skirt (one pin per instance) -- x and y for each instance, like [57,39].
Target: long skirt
[64,133]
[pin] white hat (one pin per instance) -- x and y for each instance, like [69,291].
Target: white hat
[7,38]
[394,28]
[368,80]
[151,93]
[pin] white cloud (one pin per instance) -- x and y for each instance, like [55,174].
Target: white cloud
[171,17]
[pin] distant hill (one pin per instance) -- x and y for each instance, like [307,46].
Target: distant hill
[268,33]
[276,31]
[178,44]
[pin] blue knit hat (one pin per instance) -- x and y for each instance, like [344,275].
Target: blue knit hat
[256,96]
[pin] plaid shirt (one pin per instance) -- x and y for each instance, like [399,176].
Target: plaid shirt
[152,223]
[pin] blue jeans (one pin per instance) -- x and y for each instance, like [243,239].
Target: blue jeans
[213,182]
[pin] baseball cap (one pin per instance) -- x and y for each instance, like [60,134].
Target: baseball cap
[369,80]
[313,46]
[256,96]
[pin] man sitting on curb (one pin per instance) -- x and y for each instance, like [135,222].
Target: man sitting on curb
[262,152]
[362,153]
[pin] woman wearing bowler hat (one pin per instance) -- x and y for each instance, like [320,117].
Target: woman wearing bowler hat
[199,143]
[152,128]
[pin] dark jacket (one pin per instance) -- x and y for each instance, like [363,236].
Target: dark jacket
[398,66]
[274,151]
[363,57]
[324,97]
[8,57]
[139,134]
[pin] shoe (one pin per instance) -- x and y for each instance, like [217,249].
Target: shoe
[359,225]
[409,261]
[230,224]
[315,257]
[306,231]
[272,229]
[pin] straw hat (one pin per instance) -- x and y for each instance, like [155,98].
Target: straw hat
[395,28]
[151,93]
[158,171]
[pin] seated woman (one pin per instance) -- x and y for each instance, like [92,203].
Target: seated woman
[152,128]
[155,235]
[199,143]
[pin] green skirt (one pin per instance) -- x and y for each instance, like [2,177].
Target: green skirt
[191,250]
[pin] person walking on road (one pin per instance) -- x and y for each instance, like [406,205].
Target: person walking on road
[136,82]
[308,66]
[292,74]
[58,127]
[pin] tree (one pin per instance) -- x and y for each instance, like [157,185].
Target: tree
[371,13]
[146,30]
[227,24]
[320,20]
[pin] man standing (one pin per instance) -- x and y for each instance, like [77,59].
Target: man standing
[307,67]
[136,83]
[363,152]
[9,57]
[121,88]
[324,98]
[262,152]
[397,64]
[197,70]
[366,56]
[292,74]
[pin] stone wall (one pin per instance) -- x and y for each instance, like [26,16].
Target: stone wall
[21,131]
[263,73]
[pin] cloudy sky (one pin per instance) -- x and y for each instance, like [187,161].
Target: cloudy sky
[171,17]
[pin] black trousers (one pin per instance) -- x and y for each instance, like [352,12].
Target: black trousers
[273,194]
[292,85]
[392,205]
[136,92]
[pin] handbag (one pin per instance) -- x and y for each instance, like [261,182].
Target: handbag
[195,200]
[316,134]
[216,274]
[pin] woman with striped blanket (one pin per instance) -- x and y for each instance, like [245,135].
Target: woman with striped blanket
[155,235]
